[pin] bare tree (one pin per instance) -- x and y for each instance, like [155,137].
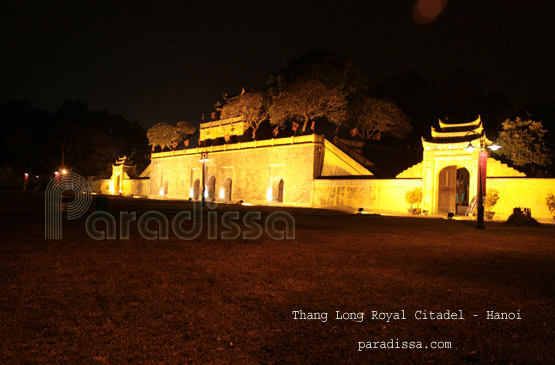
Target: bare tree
[306,99]
[249,105]
[373,117]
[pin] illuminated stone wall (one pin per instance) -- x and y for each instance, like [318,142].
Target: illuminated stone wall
[376,195]
[524,193]
[337,163]
[130,187]
[136,187]
[101,186]
[254,168]
[315,173]
[373,195]
[252,172]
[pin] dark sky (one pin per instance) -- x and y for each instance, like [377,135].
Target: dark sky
[155,63]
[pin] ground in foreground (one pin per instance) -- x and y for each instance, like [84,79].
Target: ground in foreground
[204,300]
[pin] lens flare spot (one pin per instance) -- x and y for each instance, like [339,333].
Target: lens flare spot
[426,11]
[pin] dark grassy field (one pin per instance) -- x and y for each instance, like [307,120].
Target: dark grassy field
[230,301]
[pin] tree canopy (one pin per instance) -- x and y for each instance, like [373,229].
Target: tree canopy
[373,117]
[307,99]
[523,142]
[90,141]
[329,68]
[323,86]
[316,85]
[166,135]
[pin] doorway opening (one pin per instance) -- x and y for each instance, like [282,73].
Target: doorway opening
[463,180]
[277,191]
[447,190]
[196,189]
[227,189]
[117,189]
[211,188]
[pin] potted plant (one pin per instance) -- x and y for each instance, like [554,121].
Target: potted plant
[550,200]
[414,198]
[492,196]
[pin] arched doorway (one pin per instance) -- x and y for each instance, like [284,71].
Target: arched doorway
[117,185]
[211,187]
[277,190]
[447,190]
[227,189]
[463,180]
[196,189]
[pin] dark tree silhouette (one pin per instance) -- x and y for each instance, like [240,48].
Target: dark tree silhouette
[90,140]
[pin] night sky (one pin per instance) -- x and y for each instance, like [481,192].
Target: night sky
[154,63]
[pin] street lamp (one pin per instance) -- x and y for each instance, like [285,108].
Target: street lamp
[203,158]
[482,164]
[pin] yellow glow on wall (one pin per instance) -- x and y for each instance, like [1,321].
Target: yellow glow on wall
[269,194]
[222,193]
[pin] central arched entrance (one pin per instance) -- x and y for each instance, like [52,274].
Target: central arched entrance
[447,190]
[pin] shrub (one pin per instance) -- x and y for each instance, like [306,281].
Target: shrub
[522,218]
[492,196]
[414,196]
[550,201]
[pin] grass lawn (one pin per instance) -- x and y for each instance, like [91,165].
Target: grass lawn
[231,301]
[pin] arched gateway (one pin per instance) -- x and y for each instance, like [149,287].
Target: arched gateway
[450,170]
